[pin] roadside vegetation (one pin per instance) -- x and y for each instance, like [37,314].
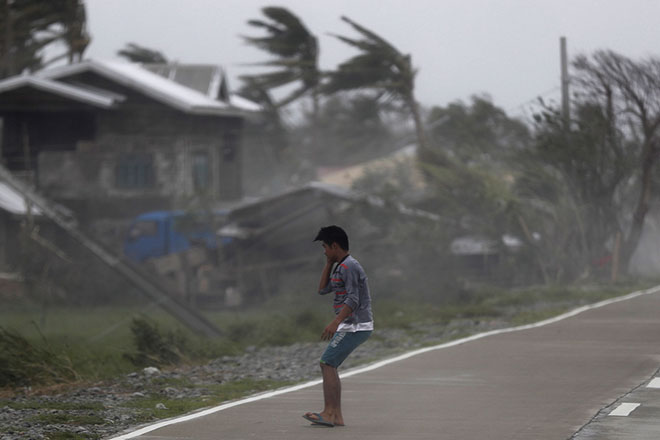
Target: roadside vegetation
[71,346]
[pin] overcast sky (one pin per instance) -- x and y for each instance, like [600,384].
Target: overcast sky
[508,49]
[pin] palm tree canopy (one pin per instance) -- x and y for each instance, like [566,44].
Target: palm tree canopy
[28,26]
[379,65]
[288,36]
[295,49]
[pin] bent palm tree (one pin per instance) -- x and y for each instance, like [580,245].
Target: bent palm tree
[382,67]
[27,27]
[296,50]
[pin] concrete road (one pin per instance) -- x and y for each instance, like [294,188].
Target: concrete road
[545,382]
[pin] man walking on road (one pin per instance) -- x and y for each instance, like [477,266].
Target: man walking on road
[353,321]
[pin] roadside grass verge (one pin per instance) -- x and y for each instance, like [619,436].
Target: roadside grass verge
[52,405]
[68,435]
[100,343]
[67,419]
[154,406]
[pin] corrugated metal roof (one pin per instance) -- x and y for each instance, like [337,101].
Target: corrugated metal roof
[76,93]
[202,77]
[151,84]
[205,78]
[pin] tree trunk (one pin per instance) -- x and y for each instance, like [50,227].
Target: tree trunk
[424,152]
[8,61]
[419,126]
[648,161]
[535,250]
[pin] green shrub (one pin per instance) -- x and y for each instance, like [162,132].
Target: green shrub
[155,348]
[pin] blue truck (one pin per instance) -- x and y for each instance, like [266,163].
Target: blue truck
[160,233]
[186,250]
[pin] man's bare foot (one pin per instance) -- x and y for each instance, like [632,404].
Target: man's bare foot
[325,417]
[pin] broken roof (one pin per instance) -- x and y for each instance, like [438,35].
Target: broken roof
[12,201]
[320,188]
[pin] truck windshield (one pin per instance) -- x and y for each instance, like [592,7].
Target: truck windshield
[143,229]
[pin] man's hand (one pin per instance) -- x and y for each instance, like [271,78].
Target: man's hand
[330,330]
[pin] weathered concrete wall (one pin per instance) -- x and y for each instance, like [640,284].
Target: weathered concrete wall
[93,174]
[91,171]
[144,125]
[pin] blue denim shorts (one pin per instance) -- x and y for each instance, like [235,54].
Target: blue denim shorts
[341,345]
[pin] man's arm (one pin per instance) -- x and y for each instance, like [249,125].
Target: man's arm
[325,277]
[331,328]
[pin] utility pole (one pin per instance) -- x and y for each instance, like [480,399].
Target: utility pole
[565,100]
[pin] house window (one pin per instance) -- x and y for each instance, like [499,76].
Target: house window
[201,171]
[135,171]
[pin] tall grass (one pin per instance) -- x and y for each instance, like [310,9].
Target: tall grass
[23,363]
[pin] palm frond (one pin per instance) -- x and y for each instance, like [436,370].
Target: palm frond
[272,29]
[370,35]
[379,65]
[273,80]
[363,45]
[287,19]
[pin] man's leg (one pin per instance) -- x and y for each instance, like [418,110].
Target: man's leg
[341,345]
[331,395]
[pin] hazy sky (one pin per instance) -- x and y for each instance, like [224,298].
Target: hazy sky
[508,49]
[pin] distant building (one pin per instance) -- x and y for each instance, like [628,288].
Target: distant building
[263,170]
[113,139]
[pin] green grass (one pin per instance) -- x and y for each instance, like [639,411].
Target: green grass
[95,341]
[67,419]
[67,435]
[531,316]
[145,408]
[41,404]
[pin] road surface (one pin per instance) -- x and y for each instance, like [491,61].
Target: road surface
[556,380]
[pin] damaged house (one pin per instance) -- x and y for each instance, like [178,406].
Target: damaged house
[112,139]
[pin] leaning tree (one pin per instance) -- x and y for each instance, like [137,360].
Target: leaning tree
[381,67]
[296,53]
[628,93]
